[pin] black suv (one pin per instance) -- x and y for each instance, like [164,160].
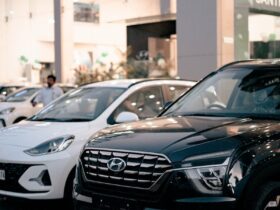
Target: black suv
[219,144]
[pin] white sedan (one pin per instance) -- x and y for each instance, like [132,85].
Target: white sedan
[18,106]
[38,156]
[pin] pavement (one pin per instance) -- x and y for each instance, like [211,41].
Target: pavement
[14,204]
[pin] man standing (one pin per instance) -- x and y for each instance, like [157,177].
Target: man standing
[48,94]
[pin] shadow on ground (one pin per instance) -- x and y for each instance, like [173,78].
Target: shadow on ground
[12,204]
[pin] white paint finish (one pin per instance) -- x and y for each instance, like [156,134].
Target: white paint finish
[28,134]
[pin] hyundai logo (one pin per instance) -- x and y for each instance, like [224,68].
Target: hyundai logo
[116,164]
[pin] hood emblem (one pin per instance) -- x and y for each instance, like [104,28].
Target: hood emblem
[116,164]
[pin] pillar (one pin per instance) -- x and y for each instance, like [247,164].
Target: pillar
[205,34]
[64,46]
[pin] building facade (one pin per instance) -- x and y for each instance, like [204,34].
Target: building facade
[188,38]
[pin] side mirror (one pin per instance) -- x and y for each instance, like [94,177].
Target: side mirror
[126,117]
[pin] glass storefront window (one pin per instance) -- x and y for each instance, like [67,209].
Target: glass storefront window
[257,29]
[86,12]
[264,36]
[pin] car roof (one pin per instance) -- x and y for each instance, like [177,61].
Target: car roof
[253,64]
[126,83]
[12,85]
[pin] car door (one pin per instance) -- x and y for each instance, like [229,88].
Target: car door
[146,102]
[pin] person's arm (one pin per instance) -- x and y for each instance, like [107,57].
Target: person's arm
[38,98]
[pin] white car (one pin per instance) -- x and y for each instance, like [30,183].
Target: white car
[6,89]
[18,106]
[38,156]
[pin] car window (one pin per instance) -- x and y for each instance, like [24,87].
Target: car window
[244,92]
[176,90]
[21,95]
[8,90]
[83,104]
[146,103]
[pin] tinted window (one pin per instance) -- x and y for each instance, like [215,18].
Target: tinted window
[233,92]
[146,103]
[7,90]
[86,12]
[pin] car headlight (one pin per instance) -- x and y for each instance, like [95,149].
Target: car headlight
[208,177]
[52,146]
[7,111]
[207,171]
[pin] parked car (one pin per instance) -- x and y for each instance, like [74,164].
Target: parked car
[218,145]
[38,156]
[6,89]
[18,106]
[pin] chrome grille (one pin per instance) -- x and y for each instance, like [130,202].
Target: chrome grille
[142,170]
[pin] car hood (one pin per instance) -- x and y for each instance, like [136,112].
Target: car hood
[29,134]
[169,135]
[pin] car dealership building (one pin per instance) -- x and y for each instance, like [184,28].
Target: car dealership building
[190,37]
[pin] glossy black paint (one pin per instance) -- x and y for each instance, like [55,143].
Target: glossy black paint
[252,147]
[185,140]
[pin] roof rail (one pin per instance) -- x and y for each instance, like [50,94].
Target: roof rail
[235,62]
[158,79]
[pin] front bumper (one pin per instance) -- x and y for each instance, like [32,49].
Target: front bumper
[38,178]
[108,202]
[170,193]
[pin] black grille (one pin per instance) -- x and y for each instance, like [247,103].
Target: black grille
[142,170]
[13,172]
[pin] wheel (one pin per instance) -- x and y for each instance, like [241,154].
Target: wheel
[68,190]
[265,197]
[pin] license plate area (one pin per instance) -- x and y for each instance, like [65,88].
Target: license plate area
[2,175]
[113,203]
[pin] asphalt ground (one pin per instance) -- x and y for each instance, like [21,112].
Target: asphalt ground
[15,204]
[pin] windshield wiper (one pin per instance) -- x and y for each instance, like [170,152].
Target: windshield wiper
[75,120]
[46,119]
[62,120]
[205,115]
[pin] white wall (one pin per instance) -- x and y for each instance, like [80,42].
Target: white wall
[21,35]
[3,42]
[33,37]
[119,10]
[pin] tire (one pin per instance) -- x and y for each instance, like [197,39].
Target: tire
[264,197]
[68,190]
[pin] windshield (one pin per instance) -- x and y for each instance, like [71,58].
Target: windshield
[22,95]
[241,92]
[84,104]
